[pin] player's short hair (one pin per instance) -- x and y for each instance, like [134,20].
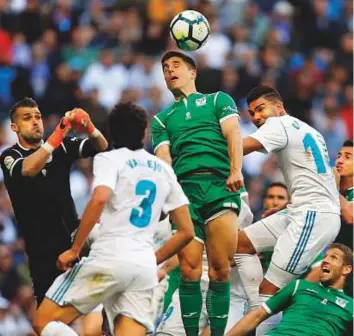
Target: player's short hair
[127,124]
[348,143]
[187,59]
[277,184]
[24,102]
[347,251]
[264,91]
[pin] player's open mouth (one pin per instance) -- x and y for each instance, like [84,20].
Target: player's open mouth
[173,78]
[325,270]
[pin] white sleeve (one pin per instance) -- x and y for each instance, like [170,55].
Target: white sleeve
[176,197]
[272,135]
[105,171]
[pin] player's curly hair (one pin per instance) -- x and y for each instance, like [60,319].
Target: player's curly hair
[24,102]
[127,124]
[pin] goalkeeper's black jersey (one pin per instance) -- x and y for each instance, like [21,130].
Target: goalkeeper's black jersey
[43,205]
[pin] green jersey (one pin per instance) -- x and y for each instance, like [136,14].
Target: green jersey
[310,309]
[349,194]
[191,126]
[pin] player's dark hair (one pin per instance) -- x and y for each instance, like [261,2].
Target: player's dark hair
[348,143]
[188,60]
[277,184]
[24,102]
[127,124]
[264,91]
[347,251]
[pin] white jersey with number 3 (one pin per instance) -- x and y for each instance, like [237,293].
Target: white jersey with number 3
[303,158]
[142,186]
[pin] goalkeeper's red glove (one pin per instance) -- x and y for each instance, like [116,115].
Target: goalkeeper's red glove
[58,135]
[82,122]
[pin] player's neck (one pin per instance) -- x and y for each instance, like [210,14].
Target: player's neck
[339,284]
[346,183]
[23,143]
[185,92]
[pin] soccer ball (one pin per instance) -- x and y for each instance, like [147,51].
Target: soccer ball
[190,30]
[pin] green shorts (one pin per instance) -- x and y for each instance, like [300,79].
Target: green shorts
[208,196]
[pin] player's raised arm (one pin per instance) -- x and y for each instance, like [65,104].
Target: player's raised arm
[160,140]
[228,116]
[34,163]
[82,123]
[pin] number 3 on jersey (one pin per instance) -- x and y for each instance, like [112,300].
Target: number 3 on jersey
[310,142]
[141,216]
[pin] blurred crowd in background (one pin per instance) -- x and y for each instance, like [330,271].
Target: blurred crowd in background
[94,53]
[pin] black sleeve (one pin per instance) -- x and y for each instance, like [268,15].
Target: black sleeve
[11,163]
[76,148]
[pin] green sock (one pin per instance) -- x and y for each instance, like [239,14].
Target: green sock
[218,303]
[191,301]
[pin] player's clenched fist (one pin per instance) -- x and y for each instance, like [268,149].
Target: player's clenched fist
[81,121]
[59,133]
[235,181]
[66,259]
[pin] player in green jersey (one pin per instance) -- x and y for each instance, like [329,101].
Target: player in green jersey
[199,135]
[310,308]
[344,167]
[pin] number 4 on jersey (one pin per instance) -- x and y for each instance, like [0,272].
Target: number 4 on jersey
[141,216]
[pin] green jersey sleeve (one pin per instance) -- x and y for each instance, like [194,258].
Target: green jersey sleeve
[282,299]
[158,133]
[225,106]
[349,194]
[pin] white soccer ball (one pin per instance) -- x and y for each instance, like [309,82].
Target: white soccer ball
[190,30]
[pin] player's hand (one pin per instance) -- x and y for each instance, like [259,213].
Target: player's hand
[270,212]
[337,177]
[60,132]
[235,181]
[66,259]
[81,121]
[161,274]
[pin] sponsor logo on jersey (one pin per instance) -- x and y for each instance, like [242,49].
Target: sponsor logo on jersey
[324,301]
[341,302]
[200,101]
[230,109]
[8,161]
[44,172]
[188,116]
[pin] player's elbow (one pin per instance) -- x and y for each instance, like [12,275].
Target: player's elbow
[29,170]
[348,216]
[188,235]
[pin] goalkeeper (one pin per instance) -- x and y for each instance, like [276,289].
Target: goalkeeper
[36,175]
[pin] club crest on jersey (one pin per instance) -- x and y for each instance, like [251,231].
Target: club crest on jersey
[8,161]
[200,101]
[188,116]
[341,302]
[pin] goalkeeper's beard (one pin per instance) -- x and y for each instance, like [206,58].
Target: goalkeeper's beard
[33,140]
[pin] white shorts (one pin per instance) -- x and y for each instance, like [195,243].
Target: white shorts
[297,237]
[123,289]
[172,324]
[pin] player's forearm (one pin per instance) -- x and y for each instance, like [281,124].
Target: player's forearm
[234,145]
[99,141]
[90,217]
[163,153]
[249,322]
[176,243]
[346,210]
[171,264]
[34,163]
[185,233]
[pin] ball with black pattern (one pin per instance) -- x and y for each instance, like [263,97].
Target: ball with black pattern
[190,29]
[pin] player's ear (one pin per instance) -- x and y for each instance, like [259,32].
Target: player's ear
[14,127]
[193,74]
[347,269]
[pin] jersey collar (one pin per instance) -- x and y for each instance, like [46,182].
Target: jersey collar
[27,149]
[329,287]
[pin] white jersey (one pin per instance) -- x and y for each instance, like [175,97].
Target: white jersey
[303,158]
[142,186]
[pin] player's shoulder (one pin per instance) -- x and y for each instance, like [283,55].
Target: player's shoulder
[161,115]
[12,151]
